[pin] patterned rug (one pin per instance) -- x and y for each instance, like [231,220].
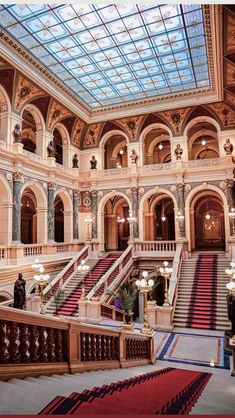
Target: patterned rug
[195,349]
[166,391]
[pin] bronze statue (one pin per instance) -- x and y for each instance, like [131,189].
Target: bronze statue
[17,134]
[228,147]
[178,152]
[93,162]
[133,156]
[75,161]
[19,292]
[51,149]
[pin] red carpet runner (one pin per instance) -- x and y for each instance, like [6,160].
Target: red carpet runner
[70,306]
[166,391]
[202,309]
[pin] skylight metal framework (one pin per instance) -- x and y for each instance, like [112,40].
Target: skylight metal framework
[116,53]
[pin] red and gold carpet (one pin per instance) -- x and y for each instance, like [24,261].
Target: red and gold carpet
[166,391]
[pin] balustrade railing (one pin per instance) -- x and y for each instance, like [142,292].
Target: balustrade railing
[111,312]
[154,246]
[33,344]
[3,253]
[33,250]
[61,277]
[119,267]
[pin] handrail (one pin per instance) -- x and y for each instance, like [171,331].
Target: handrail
[118,280]
[175,273]
[113,271]
[34,344]
[61,276]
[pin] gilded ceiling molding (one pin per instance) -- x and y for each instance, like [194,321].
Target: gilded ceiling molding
[91,136]
[175,119]
[24,92]
[209,38]
[224,112]
[77,132]
[131,126]
[56,113]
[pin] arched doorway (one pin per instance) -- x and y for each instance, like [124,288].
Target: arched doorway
[116,226]
[203,141]
[28,217]
[59,219]
[208,226]
[115,152]
[29,132]
[157,147]
[159,218]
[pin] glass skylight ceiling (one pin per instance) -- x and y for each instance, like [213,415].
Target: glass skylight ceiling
[113,54]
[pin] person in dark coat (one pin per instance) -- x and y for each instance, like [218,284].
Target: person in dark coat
[19,292]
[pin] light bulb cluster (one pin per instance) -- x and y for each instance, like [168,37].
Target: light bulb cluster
[144,283]
[83,267]
[120,220]
[231,273]
[165,270]
[179,216]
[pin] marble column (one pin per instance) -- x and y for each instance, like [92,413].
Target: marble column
[181,204]
[16,215]
[75,214]
[135,210]
[231,204]
[94,208]
[51,212]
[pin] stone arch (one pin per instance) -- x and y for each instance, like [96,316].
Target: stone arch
[190,201]
[100,213]
[68,214]
[156,190]
[5,296]
[5,111]
[145,131]
[40,127]
[106,137]
[6,200]
[201,119]
[41,202]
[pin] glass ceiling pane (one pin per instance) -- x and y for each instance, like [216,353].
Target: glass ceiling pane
[111,54]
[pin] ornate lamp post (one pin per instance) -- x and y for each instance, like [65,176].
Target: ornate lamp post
[166,272]
[180,219]
[131,220]
[41,280]
[88,219]
[144,286]
[231,284]
[83,268]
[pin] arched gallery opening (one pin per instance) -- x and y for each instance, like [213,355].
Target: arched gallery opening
[115,152]
[28,217]
[159,218]
[116,226]
[203,141]
[59,219]
[157,148]
[207,222]
[29,132]
[58,145]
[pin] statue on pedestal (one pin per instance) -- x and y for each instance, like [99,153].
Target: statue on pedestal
[178,152]
[75,161]
[228,147]
[51,149]
[19,292]
[17,134]
[93,162]
[133,157]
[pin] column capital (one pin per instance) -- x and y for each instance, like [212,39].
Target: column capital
[17,176]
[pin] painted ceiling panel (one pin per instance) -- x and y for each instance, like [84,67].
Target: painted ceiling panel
[113,54]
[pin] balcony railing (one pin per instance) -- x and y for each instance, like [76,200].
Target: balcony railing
[33,344]
[154,246]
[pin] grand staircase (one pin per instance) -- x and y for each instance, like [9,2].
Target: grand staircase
[202,292]
[73,289]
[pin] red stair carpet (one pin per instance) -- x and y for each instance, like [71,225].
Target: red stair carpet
[202,309]
[70,306]
[166,391]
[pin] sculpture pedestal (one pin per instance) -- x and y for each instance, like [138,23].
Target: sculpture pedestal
[164,318]
[33,303]
[17,147]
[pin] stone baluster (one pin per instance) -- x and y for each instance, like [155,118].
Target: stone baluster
[94,208]
[75,214]
[51,212]
[18,181]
